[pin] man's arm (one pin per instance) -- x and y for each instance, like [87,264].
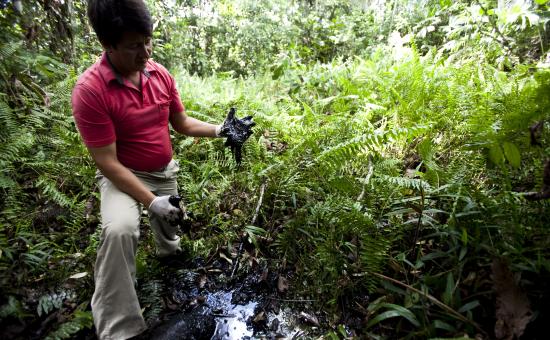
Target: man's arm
[107,162]
[190,126]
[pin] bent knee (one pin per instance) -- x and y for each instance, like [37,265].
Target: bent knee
[121,228]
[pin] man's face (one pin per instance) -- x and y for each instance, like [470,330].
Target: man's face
[131,53]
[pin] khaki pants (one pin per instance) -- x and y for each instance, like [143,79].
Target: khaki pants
[115,307]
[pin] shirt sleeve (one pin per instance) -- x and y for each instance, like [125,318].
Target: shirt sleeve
[91,117]
[176,106]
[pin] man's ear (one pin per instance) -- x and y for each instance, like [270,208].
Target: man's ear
[107,47]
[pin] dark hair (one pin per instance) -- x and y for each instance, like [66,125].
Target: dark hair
[110,18]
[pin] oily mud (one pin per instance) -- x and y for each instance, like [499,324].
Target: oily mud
[212,305]
[237,132]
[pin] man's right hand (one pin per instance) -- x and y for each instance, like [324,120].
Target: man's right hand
[237,132]
[162,207]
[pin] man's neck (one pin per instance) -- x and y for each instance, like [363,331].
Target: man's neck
[134,77]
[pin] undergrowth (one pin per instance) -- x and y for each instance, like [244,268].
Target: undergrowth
[392,181]
[379,169]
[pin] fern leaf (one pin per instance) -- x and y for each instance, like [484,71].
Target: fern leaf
[7,121]
[50,190]
[150,297]
[81,320]
[373,255]
[12,150]
[8,50]
[6,182]
[404,182]
[336,156]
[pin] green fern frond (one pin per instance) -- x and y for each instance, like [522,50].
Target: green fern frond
[388,166]
[80,321]
[221,160]
[404,182]
[407,133]
[62,90]
[374,254]
[11,151]
[52,117]
[50,190]
[8,50]
[338,155]
[150,297]
[6,182]
[7,121]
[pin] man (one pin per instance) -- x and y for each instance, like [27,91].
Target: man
[122,106]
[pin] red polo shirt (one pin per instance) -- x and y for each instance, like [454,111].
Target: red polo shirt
[109,109]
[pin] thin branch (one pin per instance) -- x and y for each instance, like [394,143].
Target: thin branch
[240,250]
[443,306]
[419,223]
[262,190]
[366,180]
[505,40]
[289,300]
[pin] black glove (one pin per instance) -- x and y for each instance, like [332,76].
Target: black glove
[237,132]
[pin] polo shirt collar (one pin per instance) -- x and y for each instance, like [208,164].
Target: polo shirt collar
[109,73]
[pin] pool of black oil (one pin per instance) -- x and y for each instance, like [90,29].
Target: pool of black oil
[218,318]
[246,308]
[250,320]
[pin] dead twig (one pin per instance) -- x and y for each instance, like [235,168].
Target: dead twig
[443,306]
[254,218]
[289,300]
[256,213]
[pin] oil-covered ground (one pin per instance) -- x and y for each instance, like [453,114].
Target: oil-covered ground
[208,303]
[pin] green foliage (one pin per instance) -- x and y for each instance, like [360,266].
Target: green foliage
[52,301]
[393,311]
[14,308]
[80,320]
[392,140]
[243,37]
[150,298]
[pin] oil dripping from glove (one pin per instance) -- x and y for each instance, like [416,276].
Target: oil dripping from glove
[237,132]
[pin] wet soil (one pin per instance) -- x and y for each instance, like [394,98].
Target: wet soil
[212,305]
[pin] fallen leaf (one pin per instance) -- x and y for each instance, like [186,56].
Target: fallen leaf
[263,277]
[308,318]
[282,284]
[223,256]
[275,325]
[78,275]
[202,281]
[259,317]
[513,312]
[171,305]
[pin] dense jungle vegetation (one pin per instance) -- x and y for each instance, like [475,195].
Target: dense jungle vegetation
[398,175]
